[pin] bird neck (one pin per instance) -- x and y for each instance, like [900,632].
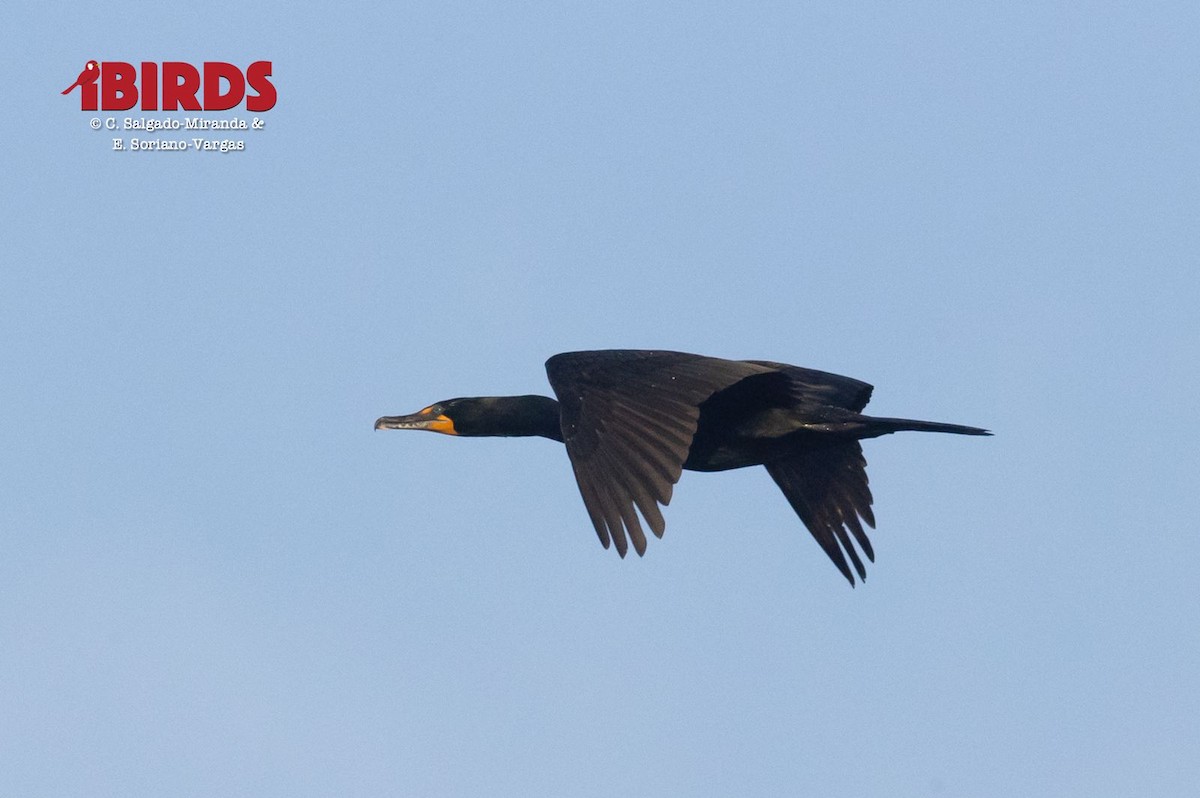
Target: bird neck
[517,416]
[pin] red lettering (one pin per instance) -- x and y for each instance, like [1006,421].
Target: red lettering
[214,73]
[180,83]
[149,86]
[258,76]
[224,86]
[89,97]
[118,86]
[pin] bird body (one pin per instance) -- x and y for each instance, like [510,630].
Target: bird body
[90,72]
[633,420]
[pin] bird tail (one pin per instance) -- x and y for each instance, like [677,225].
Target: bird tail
[67,90]
[883,426]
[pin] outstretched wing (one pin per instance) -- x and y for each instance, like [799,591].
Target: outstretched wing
[813,387]
[827,487]
[628,417]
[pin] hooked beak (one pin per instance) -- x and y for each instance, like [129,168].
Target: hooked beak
[423,419]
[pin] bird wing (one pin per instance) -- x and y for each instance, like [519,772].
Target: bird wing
[810,386]
[628,417]
[827,487]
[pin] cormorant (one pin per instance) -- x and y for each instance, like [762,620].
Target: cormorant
[632,420]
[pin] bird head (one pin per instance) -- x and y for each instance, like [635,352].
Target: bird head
[484,416]
[435,418]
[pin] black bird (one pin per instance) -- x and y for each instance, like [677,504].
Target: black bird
[632,420]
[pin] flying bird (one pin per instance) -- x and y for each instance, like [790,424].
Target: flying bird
[89,74]
[633,420]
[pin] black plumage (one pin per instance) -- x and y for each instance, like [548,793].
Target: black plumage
[633,420]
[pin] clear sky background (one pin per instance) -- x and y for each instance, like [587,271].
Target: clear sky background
[216,579]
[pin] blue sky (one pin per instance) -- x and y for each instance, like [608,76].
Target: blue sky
[216,579]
